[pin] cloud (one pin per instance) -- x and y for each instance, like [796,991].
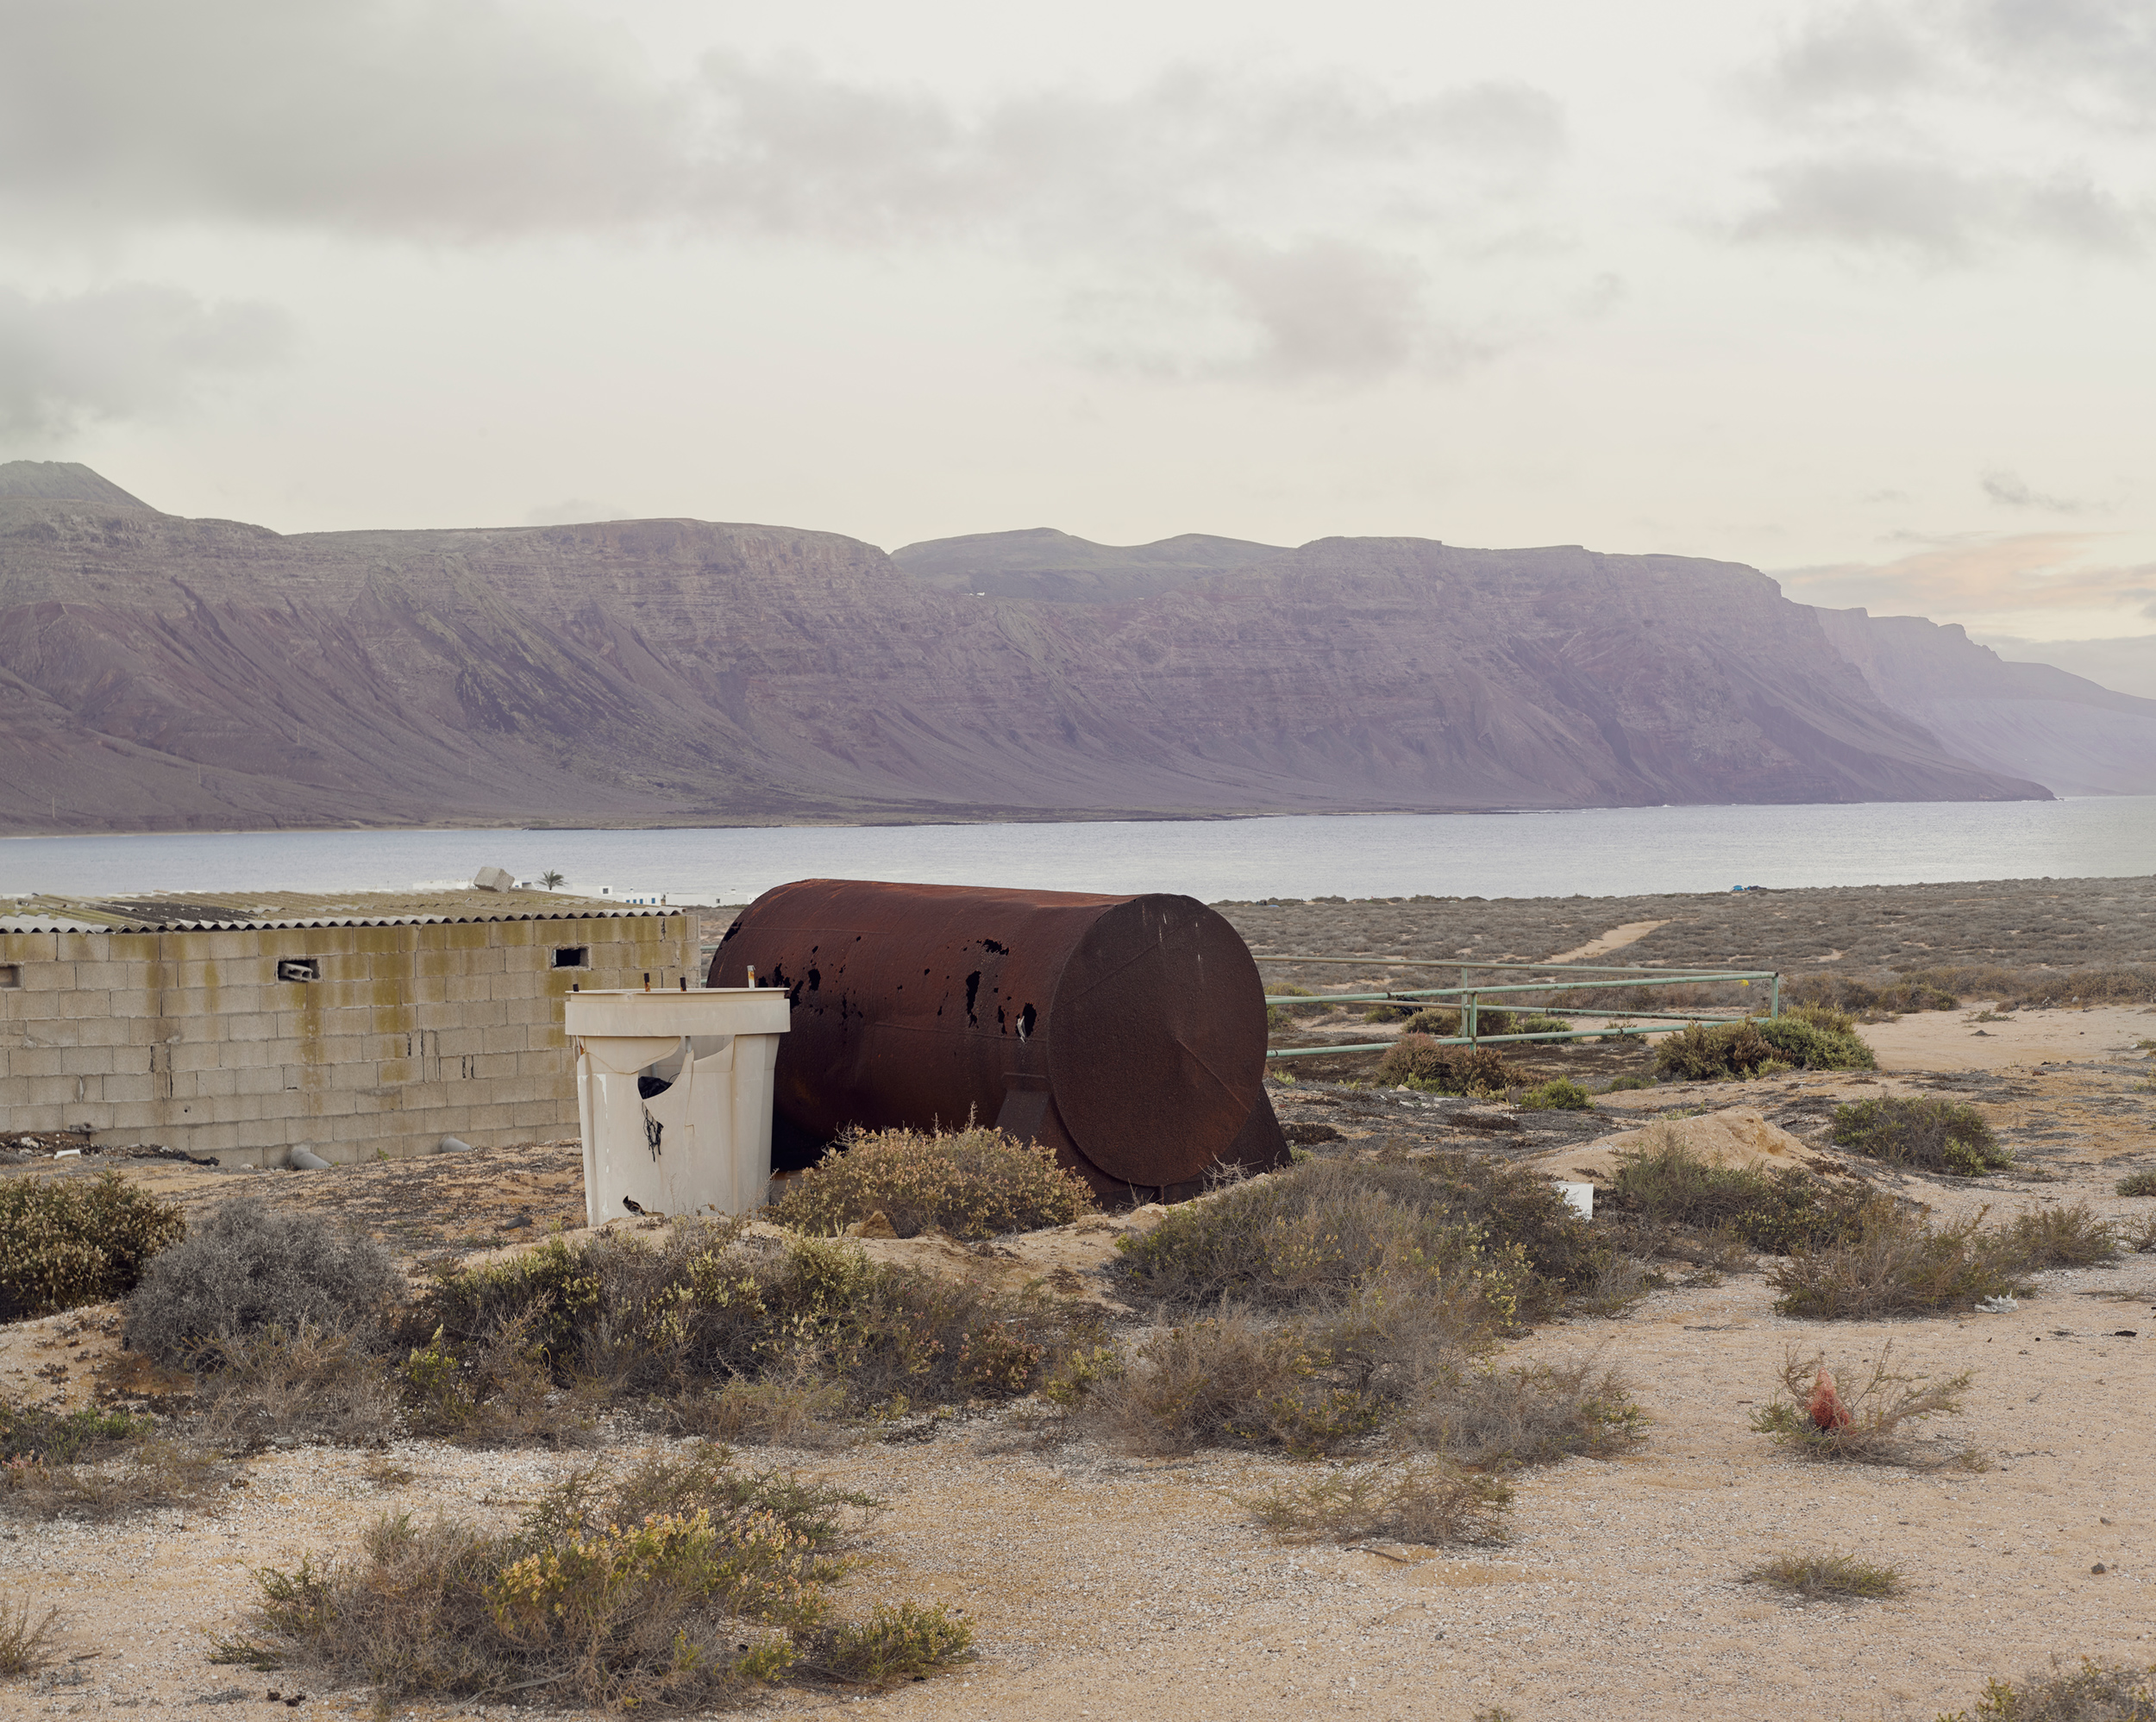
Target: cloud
[2027,574]
[461,121]
[1936,211]
[1864,53]
[1308,208]
[121,351]
[1949,131]
[2009,490]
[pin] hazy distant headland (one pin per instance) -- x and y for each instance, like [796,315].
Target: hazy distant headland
[163,673]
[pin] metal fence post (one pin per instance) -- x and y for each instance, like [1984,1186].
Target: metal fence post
[1774,1003]
[1470,1019]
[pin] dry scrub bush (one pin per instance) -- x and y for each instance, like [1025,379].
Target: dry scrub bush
[1532,1414]
[93,1464]
[1558,1095]
[2138,1184]
[1835,1578]
[26,1639]
[1415,1061]
[2095,1691]
[1345,1298]
[273,1386]
[1426,1503]
[1322,1227]
[1925,1131]
[70,1241]
[683,1584]
[970,1184]
[1897,1264]
[1878,1410]
[671,1324]
[1666,1199]
[249,1268]
[2074,1236]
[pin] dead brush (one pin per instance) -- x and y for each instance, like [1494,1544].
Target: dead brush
[1422,1502]
[2071,1235]
[315,1384]
[99,1465]
[1497,1419]
[1813,1417]
[2095,1691]
[26,1637]
[1899,1264]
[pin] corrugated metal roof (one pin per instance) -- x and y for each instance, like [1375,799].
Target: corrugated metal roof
[263,911]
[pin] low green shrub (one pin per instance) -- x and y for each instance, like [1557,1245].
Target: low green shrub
[1536,1023]
[1415,1061]
[683,1584]
[247,1269]
[1837,1578]
[1436,1019]
[1388,1013]
[1921,1131]
[99,1464]
[2138,1184]
[1559,1094]
[1811,1045]
[1714,1052]
[1625,1084]
[70,1241]
[969,1184]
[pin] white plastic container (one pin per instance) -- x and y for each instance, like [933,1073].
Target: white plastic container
[702,1145]
[1580,1198]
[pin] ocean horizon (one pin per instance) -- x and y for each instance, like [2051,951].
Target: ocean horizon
[1593,852]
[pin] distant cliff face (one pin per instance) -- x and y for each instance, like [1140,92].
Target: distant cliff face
[2029,720]
[160,672]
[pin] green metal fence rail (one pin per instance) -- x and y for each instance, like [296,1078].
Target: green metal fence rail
[1470,993]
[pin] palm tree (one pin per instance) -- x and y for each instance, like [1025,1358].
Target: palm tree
[551,880]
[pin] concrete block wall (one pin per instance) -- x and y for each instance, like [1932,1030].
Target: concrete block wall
[411,1033]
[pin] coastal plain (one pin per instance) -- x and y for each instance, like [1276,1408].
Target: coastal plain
[1102,1583]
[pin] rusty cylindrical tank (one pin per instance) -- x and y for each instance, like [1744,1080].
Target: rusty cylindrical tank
[1128,1033]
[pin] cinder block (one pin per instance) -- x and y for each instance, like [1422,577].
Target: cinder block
[138,1121]
[251,1027]
[73,947]
[25,1061]
[233,947]
[85,1060]
[122,1088]
[217,1084]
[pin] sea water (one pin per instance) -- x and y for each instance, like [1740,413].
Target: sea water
[1595,852]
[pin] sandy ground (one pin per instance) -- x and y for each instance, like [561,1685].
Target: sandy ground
[1104,1586]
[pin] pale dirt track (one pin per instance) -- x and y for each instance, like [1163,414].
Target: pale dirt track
[1107,1587]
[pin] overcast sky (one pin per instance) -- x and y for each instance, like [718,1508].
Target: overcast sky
[1861,294]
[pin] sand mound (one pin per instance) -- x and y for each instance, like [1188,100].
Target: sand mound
[1739,1136]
